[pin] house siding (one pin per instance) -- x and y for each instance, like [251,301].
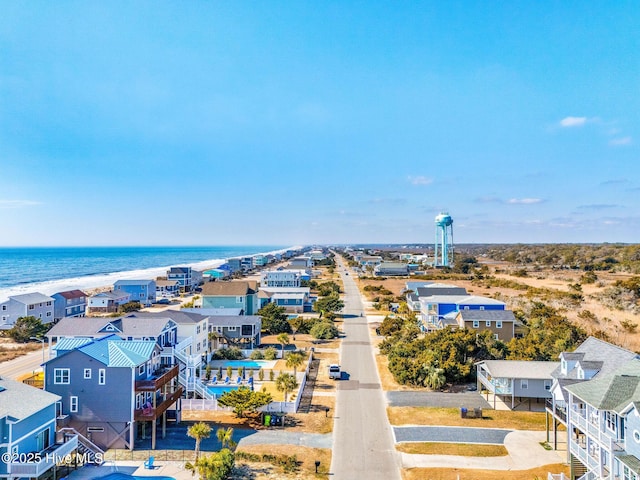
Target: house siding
[504,334]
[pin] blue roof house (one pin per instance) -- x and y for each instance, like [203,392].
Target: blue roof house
[435,307]
[109,386]
[28,431]
[143,291]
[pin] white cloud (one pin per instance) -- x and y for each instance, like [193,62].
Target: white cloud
[618,142]
[524,201]
[420,180]
[18,203]
[573,122]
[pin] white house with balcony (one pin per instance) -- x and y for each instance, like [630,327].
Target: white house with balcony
[603,424]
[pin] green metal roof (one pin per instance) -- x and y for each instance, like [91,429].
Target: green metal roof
[630,461]
[612,392]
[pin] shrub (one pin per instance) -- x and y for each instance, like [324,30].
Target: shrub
[324,331]
[257,355]
[270,353]
[231,353]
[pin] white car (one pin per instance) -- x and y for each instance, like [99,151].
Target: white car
[334,372]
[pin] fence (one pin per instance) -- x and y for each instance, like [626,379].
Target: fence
[142,455]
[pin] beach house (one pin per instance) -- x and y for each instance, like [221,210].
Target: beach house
[434,308]
[183,275]
[389,269]
[143,291]
[292,299]
[35,305]
[113,390]
[603,425]
[241,331]
[415,290]
[167,288]
[592,359]
[107,302]
[72,303]
[238,294]
[501,323]
[515,383]
[280,278]
[28,431]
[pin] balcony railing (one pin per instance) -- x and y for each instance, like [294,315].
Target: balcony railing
[581,453]
[497,387]
[38,463]
[159,378]
[560,411]
[152,413]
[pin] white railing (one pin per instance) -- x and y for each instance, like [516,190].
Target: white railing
[202,390]
[586,459]
[588,476]
[557,476]
[45,460]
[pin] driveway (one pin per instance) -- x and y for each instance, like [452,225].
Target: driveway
[437,399]
[492,436]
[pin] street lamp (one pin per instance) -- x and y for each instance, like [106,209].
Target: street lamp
[41,340]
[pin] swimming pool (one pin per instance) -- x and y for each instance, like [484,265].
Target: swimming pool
[124,476]
[235,364]
[218,390]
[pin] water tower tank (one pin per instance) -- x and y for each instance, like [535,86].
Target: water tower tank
[444,220]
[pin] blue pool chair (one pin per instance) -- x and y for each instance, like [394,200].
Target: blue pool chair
[149,463]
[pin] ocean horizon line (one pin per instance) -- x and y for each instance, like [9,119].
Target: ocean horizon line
[103,279]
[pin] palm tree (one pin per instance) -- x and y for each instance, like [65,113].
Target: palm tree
[435,378]
[294,360]
[286,383]
[225,437]
[283,339]
[199,431]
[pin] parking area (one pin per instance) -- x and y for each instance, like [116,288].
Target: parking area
[492,436]
[468,400]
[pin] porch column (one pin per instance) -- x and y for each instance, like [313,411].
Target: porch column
[153,423]
[546,423]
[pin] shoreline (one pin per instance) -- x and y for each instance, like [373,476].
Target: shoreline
[95,283]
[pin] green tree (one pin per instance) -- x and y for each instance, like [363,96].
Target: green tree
[283,339]
[294,360]
[270,353]
[274,319]
[199,431]
[330,303]
[244,401]
[25,328]
[324,330]
[286,383]
[225,437]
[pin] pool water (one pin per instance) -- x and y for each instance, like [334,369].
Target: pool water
[218,390]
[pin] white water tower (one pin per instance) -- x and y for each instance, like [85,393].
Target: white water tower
[443,248]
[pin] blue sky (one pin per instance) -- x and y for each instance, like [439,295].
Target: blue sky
[180,123]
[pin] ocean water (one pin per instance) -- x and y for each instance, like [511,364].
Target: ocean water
[53,269]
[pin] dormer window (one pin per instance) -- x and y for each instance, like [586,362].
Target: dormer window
[563,366]
[580,373]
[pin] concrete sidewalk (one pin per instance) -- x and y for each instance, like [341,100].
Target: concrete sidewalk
[525,452]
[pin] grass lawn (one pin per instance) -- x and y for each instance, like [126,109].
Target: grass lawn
[305,455]
[451,417]
[464,449]
[469,474]
[386,378]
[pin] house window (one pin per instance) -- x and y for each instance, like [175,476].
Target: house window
[238,299]
[476,323]
[232,329]
[102,376]
[498,323]
[488,323]
[524,384]
[4,307]
[481,308]
[61,376]
[197,329]
[87,373]
[466,307]
[73,404]
[142,295]
[48,304]
[48,314]
[198,347]
[141,369]
[495,336]
[547,385]
[32,307]
[610,421]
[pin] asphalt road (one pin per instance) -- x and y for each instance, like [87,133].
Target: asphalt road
[363,442]
[28,363]
[450,434]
